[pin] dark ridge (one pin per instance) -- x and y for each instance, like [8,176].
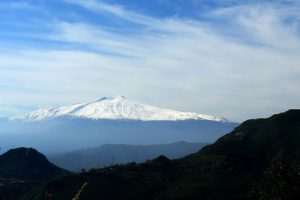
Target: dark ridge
[161,159]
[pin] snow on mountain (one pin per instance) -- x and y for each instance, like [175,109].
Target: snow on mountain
[115,108]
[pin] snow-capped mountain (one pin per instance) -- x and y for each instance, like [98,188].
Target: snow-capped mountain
[80,126]
[115,108]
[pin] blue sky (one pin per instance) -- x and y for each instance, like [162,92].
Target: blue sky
[236,59]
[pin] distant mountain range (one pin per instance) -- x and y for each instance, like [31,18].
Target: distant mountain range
[64,134]
[115,108]
[107,121]
[106,155]
[259,160]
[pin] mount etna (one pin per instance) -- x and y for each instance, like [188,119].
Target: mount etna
[108,121]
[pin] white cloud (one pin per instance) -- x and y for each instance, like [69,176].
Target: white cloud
[181,64]
[117,10]
[267,24]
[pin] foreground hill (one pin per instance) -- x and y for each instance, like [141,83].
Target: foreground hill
[23,168]
[109,154]
[258,160]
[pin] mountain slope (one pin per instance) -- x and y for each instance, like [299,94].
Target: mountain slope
[115,108]
[259,160]
[106,155]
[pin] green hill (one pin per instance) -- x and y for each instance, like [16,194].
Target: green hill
[259,160]
[22,169]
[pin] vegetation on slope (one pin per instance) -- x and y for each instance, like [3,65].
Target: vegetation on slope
[258,160]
